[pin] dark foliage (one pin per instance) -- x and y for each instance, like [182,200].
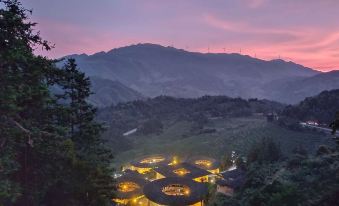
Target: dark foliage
[126,116]
[50,150]
[150,127]
[265,151]
[321,108]
[297,181]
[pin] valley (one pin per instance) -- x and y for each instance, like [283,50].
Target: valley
[231,134]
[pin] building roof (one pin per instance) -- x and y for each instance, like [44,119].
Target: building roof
[154,191]
[234,178]
[213,163]
[182,170]
[134,177]
[143,162]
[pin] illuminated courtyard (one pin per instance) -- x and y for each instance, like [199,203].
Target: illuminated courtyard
[164,180]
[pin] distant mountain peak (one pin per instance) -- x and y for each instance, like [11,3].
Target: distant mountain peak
[153,70]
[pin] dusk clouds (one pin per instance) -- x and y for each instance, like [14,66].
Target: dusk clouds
[304,31]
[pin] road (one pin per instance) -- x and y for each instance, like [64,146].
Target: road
[325,129]
[130,132]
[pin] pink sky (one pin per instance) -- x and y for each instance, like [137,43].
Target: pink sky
[303,31]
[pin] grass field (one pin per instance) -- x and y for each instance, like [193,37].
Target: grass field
[236,134]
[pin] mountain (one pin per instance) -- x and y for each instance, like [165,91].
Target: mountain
[107,92]
[297,89]
[155,70]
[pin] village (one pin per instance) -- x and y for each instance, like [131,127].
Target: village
[165,180]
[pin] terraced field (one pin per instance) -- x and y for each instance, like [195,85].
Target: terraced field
[236,134]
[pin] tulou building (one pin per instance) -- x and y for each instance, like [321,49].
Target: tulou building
[147,163]
[177,191]
[184,169]
[206,163]
[158,180]
[129,188]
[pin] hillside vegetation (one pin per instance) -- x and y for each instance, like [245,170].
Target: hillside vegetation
[51,150]
[212,126]
[321,107]
[230,134]
[301,180]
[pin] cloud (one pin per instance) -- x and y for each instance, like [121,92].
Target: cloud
[255,3]
[306,45]
[303,31]
[242,27]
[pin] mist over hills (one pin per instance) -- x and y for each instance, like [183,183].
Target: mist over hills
[107,92]
[296,90]
[154,70]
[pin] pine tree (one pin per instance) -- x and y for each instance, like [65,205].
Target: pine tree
[85,133]
[42,160]
[24,100]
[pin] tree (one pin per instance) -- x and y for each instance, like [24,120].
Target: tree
[265,151]
[151,126]
[93,179]
[24,102]
[42,162]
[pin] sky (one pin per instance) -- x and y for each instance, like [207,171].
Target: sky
[303,31]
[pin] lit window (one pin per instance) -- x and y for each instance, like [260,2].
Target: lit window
[204,163]
[152,160]
[128,186]
[181,171]
[176,190]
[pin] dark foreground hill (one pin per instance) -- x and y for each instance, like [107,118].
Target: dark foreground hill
[300,180]
[321,107]
[154,70]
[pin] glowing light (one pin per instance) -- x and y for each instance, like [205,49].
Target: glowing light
[181,171]
[187,192]
[152,160]
[203,163]
[128,186]
[176,190]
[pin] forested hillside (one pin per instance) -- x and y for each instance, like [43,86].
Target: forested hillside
[210,125]
[320,108]
[125,116]
[303,179]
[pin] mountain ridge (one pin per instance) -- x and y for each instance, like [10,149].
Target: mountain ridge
[107,92]
[154,70]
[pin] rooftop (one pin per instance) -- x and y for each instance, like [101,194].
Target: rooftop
[182,170]
[203,162]
[130,185]
[178,191]
[151,161]
[233,178]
